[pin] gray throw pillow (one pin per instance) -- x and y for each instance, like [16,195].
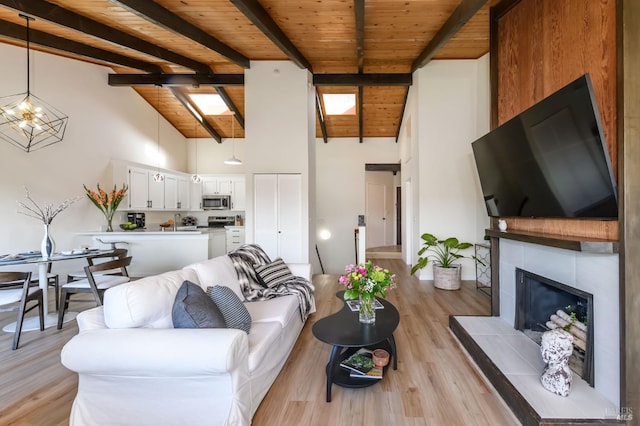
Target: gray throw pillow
[273,274]
[233,310]
[192,308]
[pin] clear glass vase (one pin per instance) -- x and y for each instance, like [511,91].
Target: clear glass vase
[367,314]
[109,217]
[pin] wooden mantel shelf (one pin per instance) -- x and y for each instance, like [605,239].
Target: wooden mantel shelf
[583,244]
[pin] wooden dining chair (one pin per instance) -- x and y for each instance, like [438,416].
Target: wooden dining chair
[95,283]
[53,280]
[118,253]
[16,292]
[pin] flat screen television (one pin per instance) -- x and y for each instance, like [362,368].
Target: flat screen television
[549,161]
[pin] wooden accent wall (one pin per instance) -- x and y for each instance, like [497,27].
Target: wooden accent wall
[538,47]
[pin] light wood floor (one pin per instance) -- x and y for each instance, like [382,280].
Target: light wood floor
[435,384]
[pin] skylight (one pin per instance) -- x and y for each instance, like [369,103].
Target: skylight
[210,104]
[339,104]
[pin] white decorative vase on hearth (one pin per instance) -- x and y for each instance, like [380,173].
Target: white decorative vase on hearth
[556,348]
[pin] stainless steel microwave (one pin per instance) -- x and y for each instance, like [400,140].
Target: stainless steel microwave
[216,202]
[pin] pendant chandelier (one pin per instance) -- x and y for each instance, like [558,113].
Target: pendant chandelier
[158,177]
[27,121]
[233,160]
[195,178]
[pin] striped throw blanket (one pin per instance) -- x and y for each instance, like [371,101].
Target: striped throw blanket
[245,257]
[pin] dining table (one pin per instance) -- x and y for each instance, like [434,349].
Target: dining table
[35,257]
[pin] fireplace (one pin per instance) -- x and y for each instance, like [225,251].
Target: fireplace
[543,304]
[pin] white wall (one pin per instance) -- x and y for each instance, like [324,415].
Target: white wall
[341,194]
[104,123]
[447,110]
[280,123]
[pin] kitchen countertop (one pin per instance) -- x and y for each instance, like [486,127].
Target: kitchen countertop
[145,232]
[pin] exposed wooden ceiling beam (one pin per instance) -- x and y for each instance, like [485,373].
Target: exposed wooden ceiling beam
[465,11]
[404,107]
[362,79]
[60,16]
[360,114]
[261,19]
[323,126]
[18,32]
[157,14]
[358,8]
[176,79]
[177,92]
[227,100]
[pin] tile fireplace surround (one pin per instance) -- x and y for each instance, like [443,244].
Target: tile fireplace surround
[594,273]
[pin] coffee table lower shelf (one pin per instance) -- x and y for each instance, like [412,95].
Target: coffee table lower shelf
[342,377]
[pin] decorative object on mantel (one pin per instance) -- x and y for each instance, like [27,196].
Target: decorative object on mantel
[107,202]
[556,348]
[233,160]
[502,225]
[446,273]
[47,213]
[365,281]
[27,121]
[158,177]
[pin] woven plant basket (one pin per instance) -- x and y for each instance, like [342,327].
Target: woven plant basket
[447,278]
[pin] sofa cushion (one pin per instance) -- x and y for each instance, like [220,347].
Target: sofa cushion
[193,308]
[273,274]
[146,302]
[279,309]
[217,271]
[265,335]
[233,310]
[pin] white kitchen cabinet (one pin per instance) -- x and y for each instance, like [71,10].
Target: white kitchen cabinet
[278,215]
[170,192]
[238,193]
[184,193]
[156,192]
[216,185]
[217,243]
[196,196]
[138,189]
[144,192]
[235,237]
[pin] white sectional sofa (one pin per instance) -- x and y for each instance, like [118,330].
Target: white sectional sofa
[134,368]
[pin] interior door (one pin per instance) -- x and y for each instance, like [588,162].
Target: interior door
[376,214]
[265,189]
[290,217]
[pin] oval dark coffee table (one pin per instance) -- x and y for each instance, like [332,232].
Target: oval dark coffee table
[346,334]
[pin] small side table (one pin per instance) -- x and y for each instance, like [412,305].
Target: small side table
[346,334]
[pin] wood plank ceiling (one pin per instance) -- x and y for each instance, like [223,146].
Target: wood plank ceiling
[365,47]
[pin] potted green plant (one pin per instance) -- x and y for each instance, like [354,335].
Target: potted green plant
[444,253]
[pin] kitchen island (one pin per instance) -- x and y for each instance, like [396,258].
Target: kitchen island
[155,252]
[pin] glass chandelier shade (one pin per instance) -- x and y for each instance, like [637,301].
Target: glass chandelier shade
[27,121]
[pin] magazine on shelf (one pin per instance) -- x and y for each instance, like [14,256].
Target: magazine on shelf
[360,365]
[354,304]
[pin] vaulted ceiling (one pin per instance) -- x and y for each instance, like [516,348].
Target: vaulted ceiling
[366,47]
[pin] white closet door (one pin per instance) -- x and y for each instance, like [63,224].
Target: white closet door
[266,213]
[290,218]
